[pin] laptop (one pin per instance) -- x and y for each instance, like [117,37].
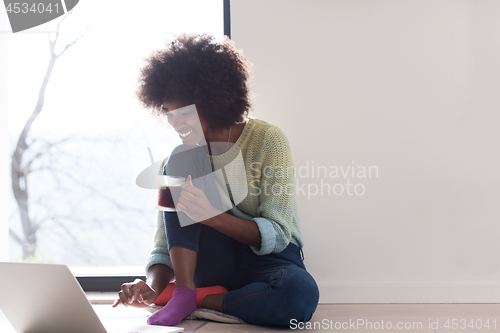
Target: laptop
[46,298]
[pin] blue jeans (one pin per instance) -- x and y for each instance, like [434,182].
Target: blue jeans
[271,289]
[263,290]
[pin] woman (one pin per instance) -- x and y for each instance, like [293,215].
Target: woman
[254,248]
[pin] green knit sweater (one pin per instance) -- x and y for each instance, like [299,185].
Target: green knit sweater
[271,195]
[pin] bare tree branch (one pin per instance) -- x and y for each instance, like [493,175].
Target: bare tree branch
[19,173]
[48,34]
[53,44]
[94,191]
[45,149]
[15,237]
[63,19]
[70,44]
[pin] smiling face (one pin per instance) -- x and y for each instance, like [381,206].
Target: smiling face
[187,122]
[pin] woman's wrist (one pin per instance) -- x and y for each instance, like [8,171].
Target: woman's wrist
[212,221]
[159,276]
[245,231]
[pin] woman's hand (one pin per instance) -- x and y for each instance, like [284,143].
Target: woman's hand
[195,204]
[137,294]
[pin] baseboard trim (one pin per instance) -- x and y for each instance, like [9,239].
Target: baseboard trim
[410,293]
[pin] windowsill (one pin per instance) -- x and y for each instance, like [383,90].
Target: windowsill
[106,279]
[88,271]
[101,297]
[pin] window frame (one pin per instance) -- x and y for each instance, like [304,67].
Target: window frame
[105,283]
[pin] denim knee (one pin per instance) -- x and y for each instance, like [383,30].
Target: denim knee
[300,297]
[292,295]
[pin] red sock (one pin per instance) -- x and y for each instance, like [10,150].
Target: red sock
[166,295]
[202,292]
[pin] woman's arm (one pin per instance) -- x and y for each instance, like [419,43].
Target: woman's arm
[245,231]
[159,277]
[196,205]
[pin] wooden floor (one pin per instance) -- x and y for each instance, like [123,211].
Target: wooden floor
[344,318]
[379,317]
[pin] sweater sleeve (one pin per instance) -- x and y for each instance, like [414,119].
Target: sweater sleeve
[159,254]
[277,195]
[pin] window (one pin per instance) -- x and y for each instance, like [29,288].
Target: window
[89,142]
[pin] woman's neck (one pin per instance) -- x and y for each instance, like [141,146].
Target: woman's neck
[218,136]
[221,141]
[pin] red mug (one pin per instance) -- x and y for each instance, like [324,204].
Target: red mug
[169,193]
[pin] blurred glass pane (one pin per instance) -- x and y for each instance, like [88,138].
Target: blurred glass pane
[84,150]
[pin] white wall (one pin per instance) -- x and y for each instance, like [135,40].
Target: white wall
[413,88]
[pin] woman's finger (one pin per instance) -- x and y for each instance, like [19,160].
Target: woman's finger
[183,201]
[136,290]
[182,207]
[122,299]
[189,204]
[126,292]
[116,303]
[189,187]
[186,190]
[188,196]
